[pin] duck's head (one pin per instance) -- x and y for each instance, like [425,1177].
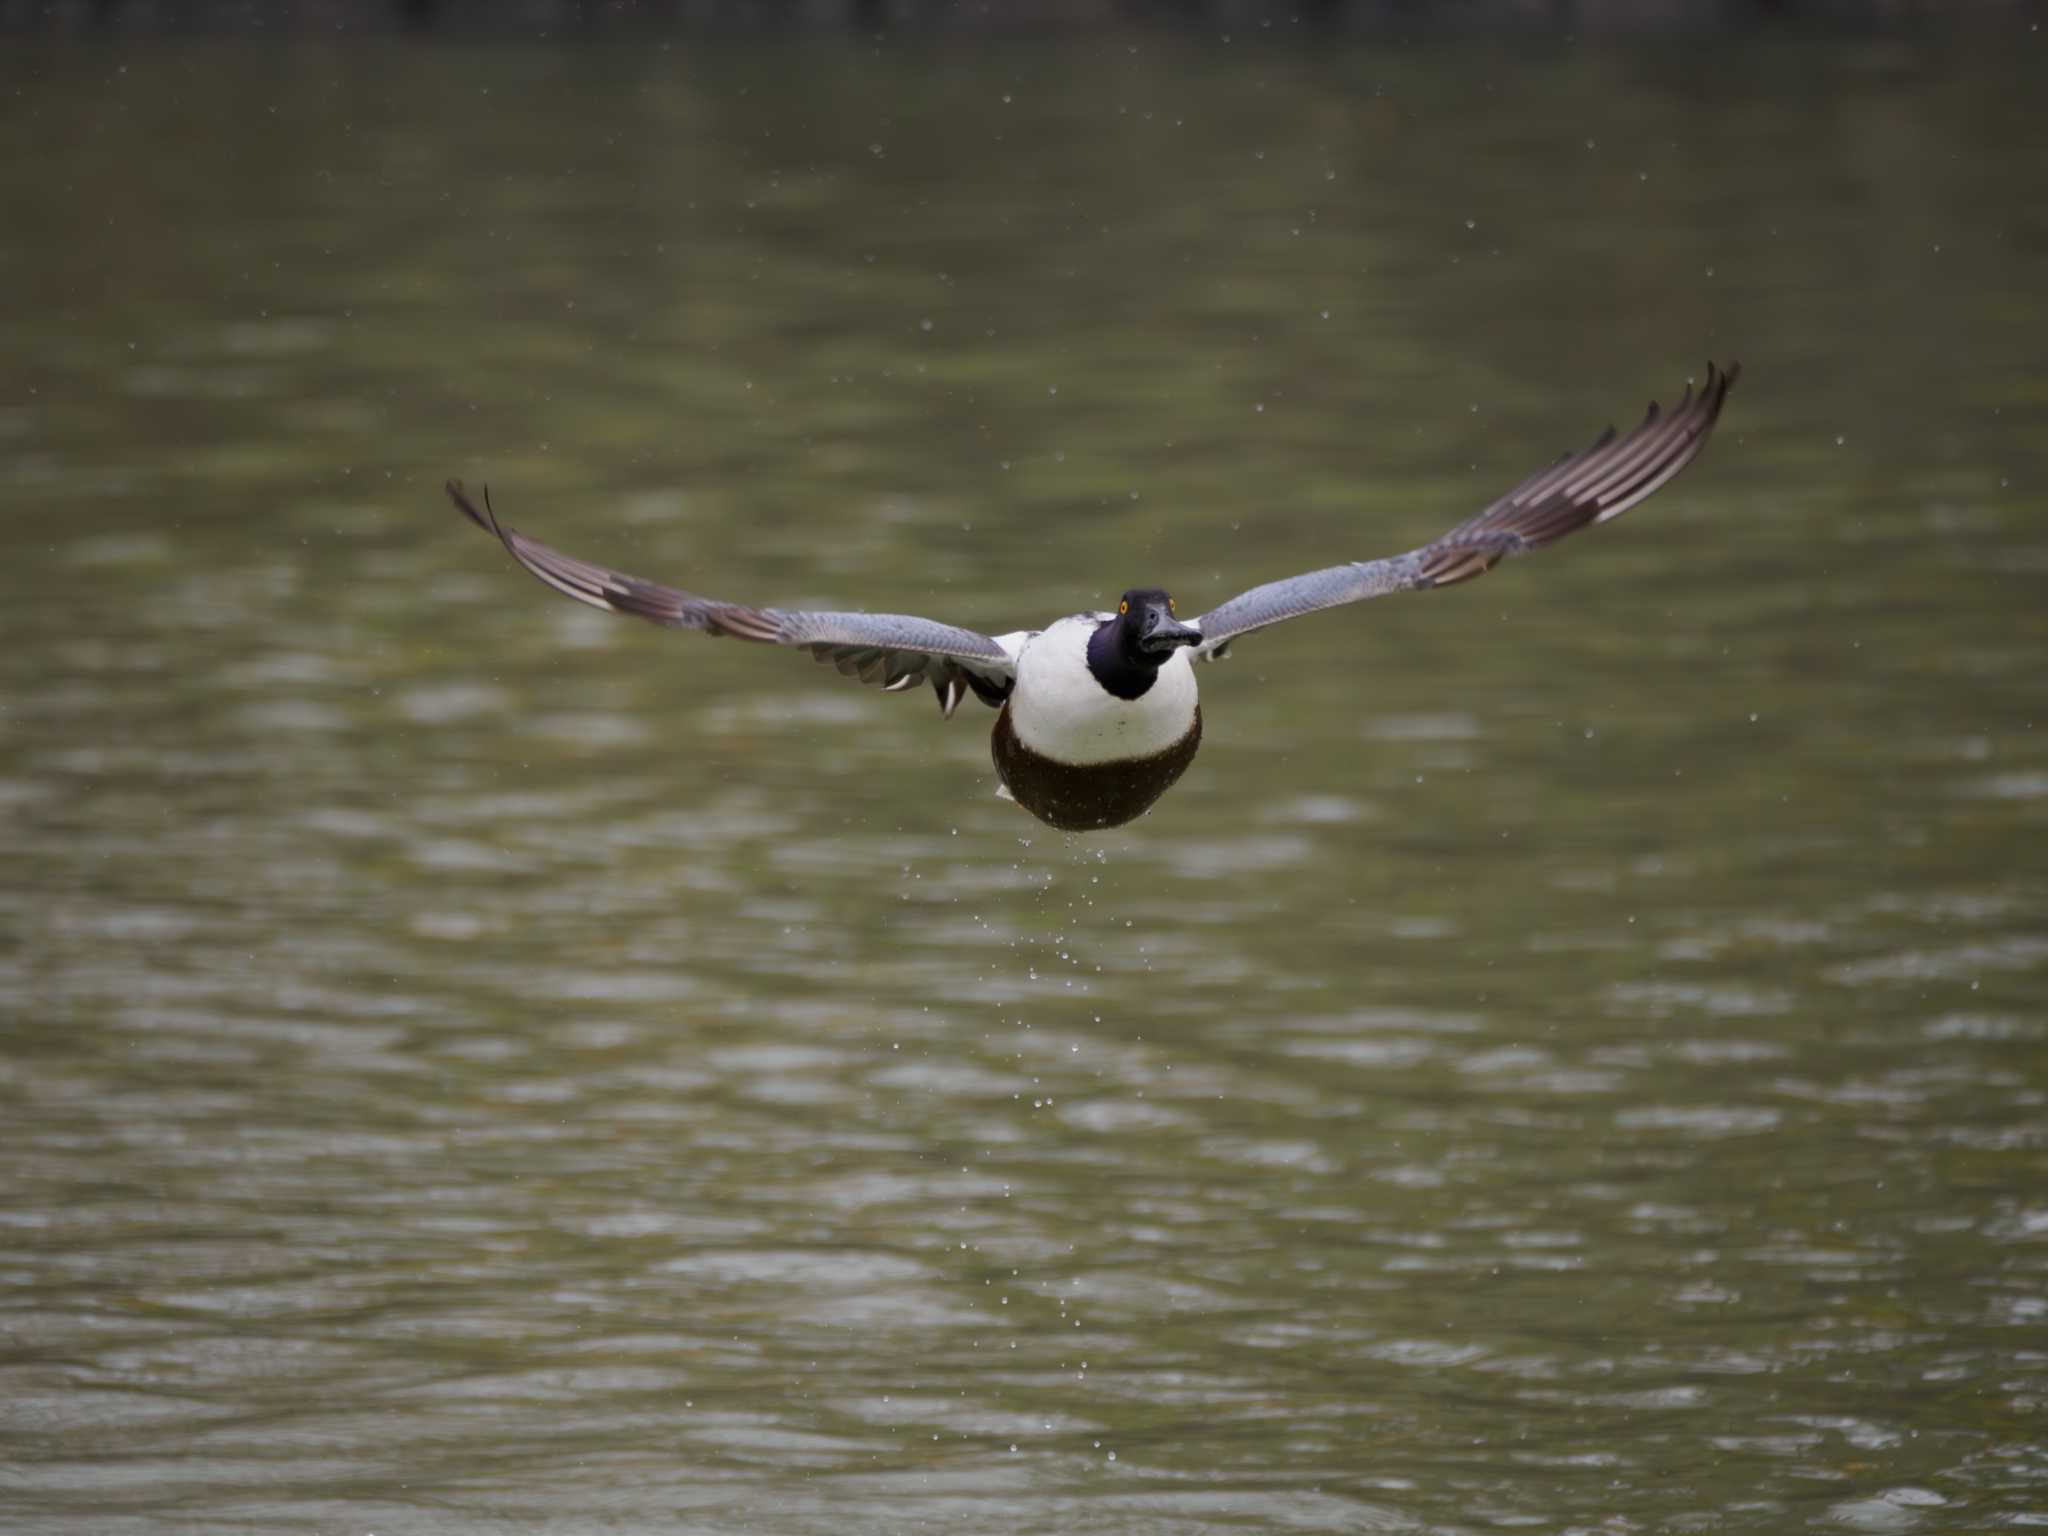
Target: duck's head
[1146,628]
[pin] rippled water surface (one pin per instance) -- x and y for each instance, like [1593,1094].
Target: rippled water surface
[1571,1055]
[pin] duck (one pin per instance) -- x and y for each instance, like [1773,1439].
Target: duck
[1098,713]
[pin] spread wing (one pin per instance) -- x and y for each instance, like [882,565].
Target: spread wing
[1592,486]
[892,649]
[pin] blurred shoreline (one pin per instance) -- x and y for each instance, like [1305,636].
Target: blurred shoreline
[564,19]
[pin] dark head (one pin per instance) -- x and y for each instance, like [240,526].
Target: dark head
[1147,628]
[1127,652]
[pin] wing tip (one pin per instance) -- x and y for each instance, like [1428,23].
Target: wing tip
[459,494]
[487,519]
[1706,397]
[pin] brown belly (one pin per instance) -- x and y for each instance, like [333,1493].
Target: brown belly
[1088,797]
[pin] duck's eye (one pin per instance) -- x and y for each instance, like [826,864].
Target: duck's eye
[1169,606]
[1123,607]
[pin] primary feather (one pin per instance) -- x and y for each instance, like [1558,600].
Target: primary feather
[895,650]
[1595,485]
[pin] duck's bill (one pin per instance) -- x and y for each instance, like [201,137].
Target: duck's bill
[1166,635]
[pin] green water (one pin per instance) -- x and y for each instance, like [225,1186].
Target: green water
[1572,1055]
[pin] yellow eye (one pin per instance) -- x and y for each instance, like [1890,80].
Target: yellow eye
[1123,607]
[1169,606]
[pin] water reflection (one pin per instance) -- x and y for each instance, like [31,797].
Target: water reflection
[1569,1055]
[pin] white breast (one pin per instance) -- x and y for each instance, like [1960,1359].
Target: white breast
[1060,711]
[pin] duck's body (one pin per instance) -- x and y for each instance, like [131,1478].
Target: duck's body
[1097,714]
[1071,749]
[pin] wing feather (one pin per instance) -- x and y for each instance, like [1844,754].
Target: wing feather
[1595,485]
[895,650]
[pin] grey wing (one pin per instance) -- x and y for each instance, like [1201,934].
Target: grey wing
[1592,486]
[895,650]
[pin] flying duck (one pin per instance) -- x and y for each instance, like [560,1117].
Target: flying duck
[1097,713]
